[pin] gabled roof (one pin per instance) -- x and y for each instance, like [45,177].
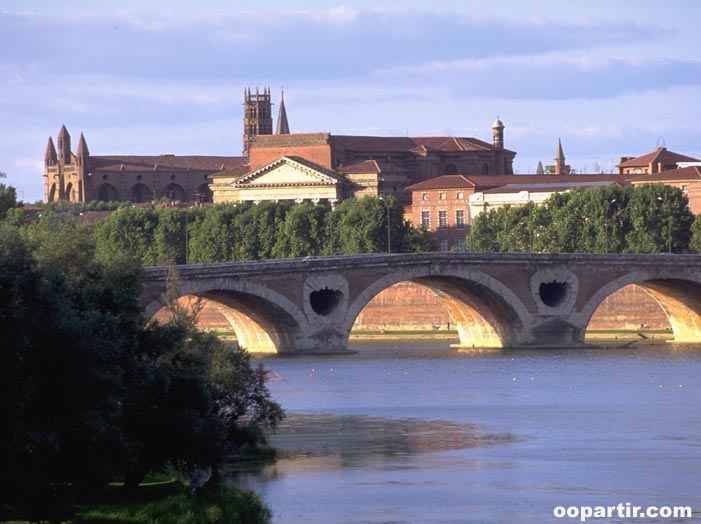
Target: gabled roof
[659,156]
[317,174]
[165,163]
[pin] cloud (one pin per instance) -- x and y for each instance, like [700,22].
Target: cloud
[339,43]
[552,77]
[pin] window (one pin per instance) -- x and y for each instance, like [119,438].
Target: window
[450,169]
[442,195]
[424,196]
[444,244]
[426,219]
[442,219]
[460,195]
[685,188]
[460,245]
[460,218]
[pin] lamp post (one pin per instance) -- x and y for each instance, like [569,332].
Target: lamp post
[669,223]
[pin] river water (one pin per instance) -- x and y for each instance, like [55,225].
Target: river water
[416,432]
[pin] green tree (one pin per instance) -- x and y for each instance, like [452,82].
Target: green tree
[303,232]
[216,235]
[660,220]
[129,231]
[8,197]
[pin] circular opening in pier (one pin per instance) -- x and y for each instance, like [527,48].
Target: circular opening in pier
[324,301]
[553,293]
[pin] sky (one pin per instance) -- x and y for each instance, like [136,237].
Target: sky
[142,77]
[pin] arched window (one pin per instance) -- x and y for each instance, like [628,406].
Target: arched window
[141,193]
[52,193]
[107,193]
[204,194]
[69,192]
[485,169]
[450,169]
[174,192]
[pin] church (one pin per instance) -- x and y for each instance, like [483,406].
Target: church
[279,165]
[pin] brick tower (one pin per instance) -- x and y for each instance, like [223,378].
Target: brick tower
[257,116]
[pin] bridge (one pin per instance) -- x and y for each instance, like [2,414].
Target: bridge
[495,299]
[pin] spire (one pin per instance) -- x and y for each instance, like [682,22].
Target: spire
[283,128]
[82,147]
[559,155]
[50,152]
[64,146]
[539,170]
[560,168]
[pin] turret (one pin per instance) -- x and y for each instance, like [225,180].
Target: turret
[498,134]
[82,153]
[64,146]
[50,158]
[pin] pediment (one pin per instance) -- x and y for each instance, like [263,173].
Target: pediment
[289,172]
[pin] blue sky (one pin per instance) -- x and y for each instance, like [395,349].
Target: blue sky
[610,79]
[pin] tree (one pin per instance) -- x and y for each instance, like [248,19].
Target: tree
[8,197]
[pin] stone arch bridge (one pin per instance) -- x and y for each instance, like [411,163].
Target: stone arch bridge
[495,299]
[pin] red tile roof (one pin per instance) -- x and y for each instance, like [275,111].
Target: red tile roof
[685,173]
[372,166]
[516,182]
[660,155]
[415,145]
[165,163]
[443,182]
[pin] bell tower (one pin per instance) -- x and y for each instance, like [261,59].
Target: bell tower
[257,116]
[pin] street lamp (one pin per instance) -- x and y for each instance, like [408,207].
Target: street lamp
[669,223]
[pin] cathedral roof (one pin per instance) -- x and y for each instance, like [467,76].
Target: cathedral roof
[372,166]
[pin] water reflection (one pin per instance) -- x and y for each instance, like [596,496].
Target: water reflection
[415,432]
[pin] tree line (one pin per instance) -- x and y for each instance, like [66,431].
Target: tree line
[239,232]
[652,218]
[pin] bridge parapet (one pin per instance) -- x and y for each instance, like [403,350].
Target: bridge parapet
[495,299]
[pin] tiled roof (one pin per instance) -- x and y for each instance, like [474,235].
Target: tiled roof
[516,182]
[443,182]
[165,163]
[660,155]
[448,144]
[685,173]
[372,166]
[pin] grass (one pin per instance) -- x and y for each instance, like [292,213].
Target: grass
[170,502]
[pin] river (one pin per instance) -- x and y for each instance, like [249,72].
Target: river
[417,432]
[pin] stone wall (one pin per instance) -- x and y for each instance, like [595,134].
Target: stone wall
[412,306]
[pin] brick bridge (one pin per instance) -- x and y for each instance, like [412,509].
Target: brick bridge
[495,300]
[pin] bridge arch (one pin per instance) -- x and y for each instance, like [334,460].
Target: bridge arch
[263,320]
[484,311]
[677,292]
